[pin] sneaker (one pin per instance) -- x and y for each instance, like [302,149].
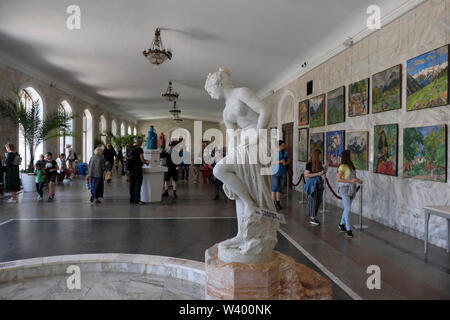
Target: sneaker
[92,199]
[277,206]
[141,203]
[342,228]
[314,222]
[39,198]
[50,199]
[349,234]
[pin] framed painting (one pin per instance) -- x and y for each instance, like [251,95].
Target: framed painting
[427,80]
[358,144]
[336,106]
[303,144]
[317,111]
[316,141]
[358,98]
[425,153]
[387,90]
[303,109]
[335,146]
[386,149]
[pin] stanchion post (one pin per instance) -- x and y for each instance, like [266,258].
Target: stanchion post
[361,226]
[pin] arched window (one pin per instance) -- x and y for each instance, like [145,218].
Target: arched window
[114,127]
[135,131]
[129,130]
[122,130]
[87,135]
[64,140]
[28,96]
[102,129]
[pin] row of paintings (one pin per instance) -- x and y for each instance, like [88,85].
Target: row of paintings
[426,87]
[424,150]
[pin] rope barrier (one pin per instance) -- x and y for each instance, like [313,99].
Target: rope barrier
[302,178]
[334,193]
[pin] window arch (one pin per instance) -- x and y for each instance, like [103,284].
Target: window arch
[122,129]
[114,127]
[129,130]
[135,131]
[64,107]
[28,96]
[102,128]
[87,135]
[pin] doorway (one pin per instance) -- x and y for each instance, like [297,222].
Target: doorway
[288,137]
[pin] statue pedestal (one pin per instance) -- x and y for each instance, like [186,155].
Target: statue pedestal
[153,156]
[279,279]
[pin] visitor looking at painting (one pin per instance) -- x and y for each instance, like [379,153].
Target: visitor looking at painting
[314,185]
[347,181]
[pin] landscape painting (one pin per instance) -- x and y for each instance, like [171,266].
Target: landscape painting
[303,108]
[303,140]
[317,111]
[386,149]
[358,144]
[335,146]
[336,106]
[425,153]
[358,98]
[386,90]
[316,141]
[427,80]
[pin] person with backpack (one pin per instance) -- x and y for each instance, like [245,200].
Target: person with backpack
[135,160]
[12,163]
[347,181]
[172,173]
[279,172]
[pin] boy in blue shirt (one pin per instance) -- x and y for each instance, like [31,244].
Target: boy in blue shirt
[279,172]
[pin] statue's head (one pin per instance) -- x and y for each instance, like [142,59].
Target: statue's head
[216,83]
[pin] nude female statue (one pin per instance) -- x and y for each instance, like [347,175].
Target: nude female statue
[242,180]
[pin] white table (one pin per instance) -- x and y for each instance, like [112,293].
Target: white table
[152,183]
[441,211]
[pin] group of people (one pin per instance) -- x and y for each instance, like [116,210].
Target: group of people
[314,172]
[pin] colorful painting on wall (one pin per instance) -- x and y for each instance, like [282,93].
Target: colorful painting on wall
[317,111]
[316,141]
[303,140]
[427,80]
[386,90]
[358,144]
[303,109]
[425,153]
[358,98]
[336,106]
[335,146]
[386,149]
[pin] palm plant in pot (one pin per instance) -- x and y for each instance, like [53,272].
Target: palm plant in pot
[34,129]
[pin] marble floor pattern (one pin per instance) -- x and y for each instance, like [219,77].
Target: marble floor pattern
[185,227]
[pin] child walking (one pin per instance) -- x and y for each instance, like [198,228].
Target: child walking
[40,179]
[347,181]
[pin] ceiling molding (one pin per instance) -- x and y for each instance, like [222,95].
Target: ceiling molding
[9,62]
[289,77]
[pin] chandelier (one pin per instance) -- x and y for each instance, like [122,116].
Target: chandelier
[170,95]
[156,55]
[175,112]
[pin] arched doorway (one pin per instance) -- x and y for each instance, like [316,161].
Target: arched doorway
[122,130]
[114,127]
[64,140]
[87,135]
[135,131]
[102,129]
[129,130]
[28,96]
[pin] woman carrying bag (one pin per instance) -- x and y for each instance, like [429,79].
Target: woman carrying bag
[347,181]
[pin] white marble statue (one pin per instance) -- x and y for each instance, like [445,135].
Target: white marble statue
[244,183]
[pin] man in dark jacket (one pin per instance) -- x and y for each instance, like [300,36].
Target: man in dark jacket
[135,160]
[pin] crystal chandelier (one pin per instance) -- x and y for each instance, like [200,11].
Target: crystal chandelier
[170,95]
[156,55]
[175,112]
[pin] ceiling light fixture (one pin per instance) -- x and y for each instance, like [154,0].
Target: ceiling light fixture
[170,95]
[157,54]
[175,112]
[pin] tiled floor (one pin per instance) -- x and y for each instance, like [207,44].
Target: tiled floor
[187,226]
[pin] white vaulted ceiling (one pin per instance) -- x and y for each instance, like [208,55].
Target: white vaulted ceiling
[260,41]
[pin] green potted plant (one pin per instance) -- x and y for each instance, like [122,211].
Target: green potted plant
[34,129]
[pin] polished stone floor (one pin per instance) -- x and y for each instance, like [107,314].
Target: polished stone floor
[185,227]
